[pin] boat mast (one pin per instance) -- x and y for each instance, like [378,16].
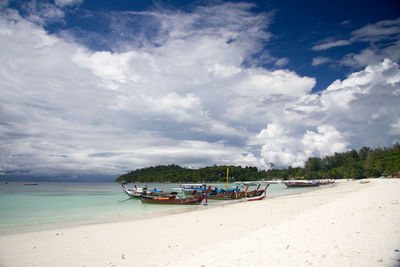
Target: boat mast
[227,173]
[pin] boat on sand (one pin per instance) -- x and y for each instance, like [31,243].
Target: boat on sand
[255,192]
[301,184]
[260,197]
[236,193]
[174,199]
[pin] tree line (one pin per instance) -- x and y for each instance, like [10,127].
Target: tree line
[363,163]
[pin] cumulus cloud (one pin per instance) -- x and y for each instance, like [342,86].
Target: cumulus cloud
[282,145]
[182,95]
[360,109]
[68,109]
[326,141]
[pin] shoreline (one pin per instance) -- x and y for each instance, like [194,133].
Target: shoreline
[241,234]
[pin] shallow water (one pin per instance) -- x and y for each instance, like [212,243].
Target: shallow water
[48,203]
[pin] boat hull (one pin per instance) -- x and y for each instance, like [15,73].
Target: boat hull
[172,200]
[300,184]
[236,194]
[260,197]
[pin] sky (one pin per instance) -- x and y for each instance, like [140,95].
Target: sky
[90,90]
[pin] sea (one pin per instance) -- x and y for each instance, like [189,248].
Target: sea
[46,205]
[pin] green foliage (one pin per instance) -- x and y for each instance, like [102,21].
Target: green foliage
[177,174]
[351,164]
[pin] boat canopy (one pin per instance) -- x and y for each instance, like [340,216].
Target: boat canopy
[194,186]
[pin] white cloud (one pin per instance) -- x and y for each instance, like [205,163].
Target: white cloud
[180,108]
[182,96]
[395,128]
[282,62]
[320,60]
[383,38]
[372,55]
[359,110]
[375,32]
[283,146]
[113,69]
[63,3]
[326,141]
[330,44]
[364,58]
[43,13]
[261,83]
[387,32]
[60,116]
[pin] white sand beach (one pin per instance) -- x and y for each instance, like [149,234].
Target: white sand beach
[348,224]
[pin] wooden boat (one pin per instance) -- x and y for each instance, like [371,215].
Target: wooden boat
[301,184]
[137,192]
[253,193]
[260,197]
[222,194]
[325,182]
[174,199]
[132,193]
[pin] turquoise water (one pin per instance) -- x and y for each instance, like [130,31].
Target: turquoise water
[49,203]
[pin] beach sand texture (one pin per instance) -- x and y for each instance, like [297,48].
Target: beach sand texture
[348,224]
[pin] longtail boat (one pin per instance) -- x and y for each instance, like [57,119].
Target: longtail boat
[222,194]
[328,181]
[253,193]
[174,199]
[260,197]
[132,193]
[301,184]
[137,192]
